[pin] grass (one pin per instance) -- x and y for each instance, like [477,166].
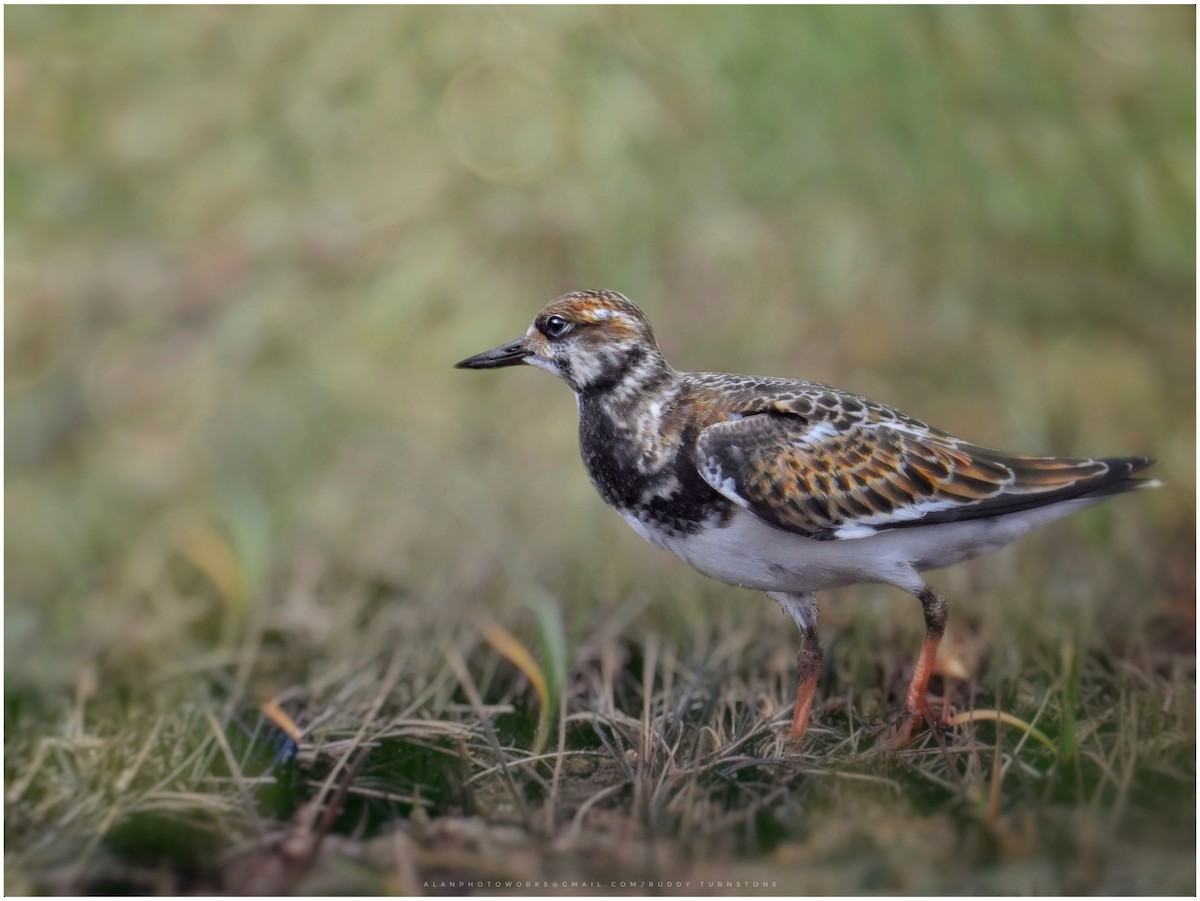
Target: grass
[668,765]
[291,606]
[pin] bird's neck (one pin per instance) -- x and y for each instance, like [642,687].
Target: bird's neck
[638,375]
[627,425]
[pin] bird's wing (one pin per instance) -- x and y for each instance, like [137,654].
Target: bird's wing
[831,465]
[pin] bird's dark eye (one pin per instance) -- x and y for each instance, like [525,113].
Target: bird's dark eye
[555,327]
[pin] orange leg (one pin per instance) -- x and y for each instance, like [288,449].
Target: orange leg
[808,664]
[916,708]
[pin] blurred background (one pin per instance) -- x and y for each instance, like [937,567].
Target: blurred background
[244,247]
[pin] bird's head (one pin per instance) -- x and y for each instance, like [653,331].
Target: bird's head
[593,340]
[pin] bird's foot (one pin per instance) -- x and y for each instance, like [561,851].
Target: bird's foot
[905,728]
[793,745]
[793,742]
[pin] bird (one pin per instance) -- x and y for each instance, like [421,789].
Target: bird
[792,487]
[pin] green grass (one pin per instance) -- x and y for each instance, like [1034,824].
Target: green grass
[243,249]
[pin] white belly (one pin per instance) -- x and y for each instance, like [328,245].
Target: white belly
[750,553]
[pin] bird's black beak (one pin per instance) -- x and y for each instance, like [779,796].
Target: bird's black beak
[509,354]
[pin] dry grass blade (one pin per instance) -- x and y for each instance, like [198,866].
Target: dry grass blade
[331,811]
[281,719]
[577,820]
[385,688]
[1007,719]
[510,647]
[559,756]
[235,769]
[130,772]
[17,789]
[459,667]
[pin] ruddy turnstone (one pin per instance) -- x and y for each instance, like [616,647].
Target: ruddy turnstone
[791,487]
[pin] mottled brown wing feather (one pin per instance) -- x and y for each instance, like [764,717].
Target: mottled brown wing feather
[824,471]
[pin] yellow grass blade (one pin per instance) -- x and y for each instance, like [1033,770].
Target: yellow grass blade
[999,716]
[510,647]
[207,550]
[283,722]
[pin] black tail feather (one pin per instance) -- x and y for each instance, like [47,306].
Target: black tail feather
[1116,479]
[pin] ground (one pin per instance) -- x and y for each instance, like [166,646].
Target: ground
[419,767]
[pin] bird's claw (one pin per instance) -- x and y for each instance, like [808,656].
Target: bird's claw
[908,726]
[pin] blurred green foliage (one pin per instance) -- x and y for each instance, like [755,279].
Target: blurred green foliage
[245,245]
